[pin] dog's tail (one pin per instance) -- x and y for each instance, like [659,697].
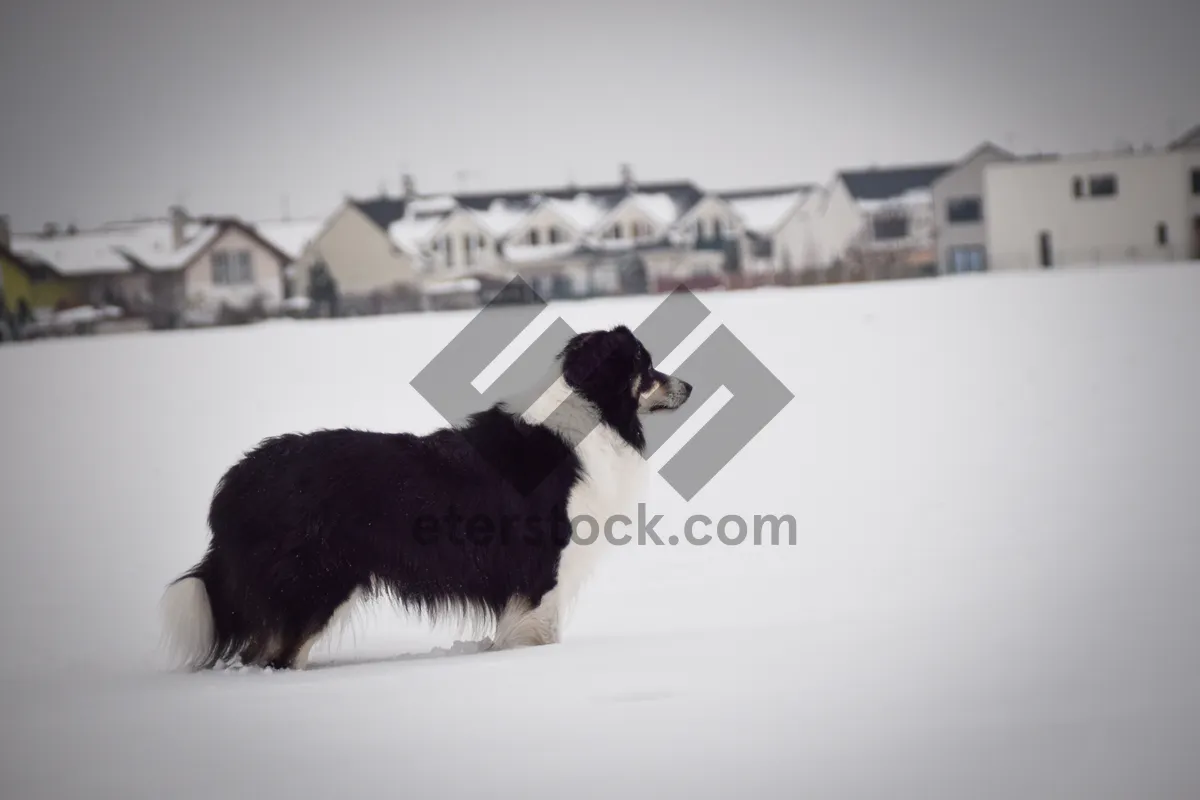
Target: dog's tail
[189,636]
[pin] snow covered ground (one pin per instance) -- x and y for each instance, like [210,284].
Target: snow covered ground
[994,592]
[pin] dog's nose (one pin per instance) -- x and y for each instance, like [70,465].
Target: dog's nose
[687,389]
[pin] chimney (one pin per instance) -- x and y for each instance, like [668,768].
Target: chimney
[179,219]
[627,179]
[408,187]
[5,231]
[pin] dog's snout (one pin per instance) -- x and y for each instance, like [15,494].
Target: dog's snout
[686,388]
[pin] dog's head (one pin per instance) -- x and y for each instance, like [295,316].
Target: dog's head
[614,372]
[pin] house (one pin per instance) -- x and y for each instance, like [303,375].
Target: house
[770,224]
[1128,206]
[174,270]
[958,211]
[1188,148]
[29,288]
[875,222]
[565,241]
[350,264]
[292,237]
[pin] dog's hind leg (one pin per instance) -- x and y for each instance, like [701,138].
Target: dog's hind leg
[295,655]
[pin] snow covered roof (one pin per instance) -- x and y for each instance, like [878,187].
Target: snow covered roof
[290,236]
[766,212]
[411,233]
[117,246]
[659,205]
[583,210]
[913,197]
[500,217]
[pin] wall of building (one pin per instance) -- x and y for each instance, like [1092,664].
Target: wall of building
[832,221]
[965,181]
[17,285]
[464,246]
[203,291]
[359,254]
[1190,160]
[1024,199]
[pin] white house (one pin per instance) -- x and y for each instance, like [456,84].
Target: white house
[170,270]
[958,211]
[567,241]
[1120,207]
[292,237]
[876,220]
[771,228]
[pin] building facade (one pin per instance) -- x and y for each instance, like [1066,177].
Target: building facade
[1126,207]
[959,211]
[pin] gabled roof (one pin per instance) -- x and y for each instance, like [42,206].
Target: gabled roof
[982,148]
[289,236]
[766,191]
[383,211]
[119,247]
[685,194]
[884,184]
[31,266]
[763,212]
[1190,138]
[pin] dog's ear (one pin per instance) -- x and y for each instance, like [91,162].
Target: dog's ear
[598,357]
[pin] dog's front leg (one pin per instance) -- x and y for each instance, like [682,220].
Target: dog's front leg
[524,626]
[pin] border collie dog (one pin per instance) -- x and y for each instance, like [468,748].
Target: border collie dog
[471,521]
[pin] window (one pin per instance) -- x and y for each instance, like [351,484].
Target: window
[468,243]
[449,247]
[555,235]
[887,227]
[1196,180]
[967,259]
[535,236]
[718,229]
[1163,238]
[231,268]
[1102,185]
[964,209]
[762,248]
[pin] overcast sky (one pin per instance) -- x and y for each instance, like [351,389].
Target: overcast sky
[114,108]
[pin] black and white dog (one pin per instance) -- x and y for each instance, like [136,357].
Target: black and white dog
[472,520]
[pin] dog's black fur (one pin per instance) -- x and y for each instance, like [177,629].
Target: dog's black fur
[457,521]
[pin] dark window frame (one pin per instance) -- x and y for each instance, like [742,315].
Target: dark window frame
[890,227]
[1103,185]
[964,210]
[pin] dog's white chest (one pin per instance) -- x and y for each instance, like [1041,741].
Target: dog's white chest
[603,505]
